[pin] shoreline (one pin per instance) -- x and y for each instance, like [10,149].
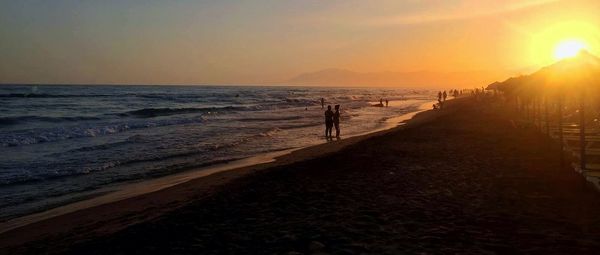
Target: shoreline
[459,180]
[214,175]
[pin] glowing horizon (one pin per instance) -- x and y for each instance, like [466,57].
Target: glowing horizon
[266,42]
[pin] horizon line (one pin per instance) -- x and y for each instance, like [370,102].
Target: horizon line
[414,87]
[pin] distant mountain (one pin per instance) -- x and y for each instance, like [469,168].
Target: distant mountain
[581,70]
[342,77]
[584,67]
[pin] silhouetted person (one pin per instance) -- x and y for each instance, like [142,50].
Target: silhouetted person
[440,96]
[386,103]
[328,121]
[445,95]
[336,120]
[322,103]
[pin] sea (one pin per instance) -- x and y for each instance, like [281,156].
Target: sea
[62,143]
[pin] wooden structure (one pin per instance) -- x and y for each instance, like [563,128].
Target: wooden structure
[563,101]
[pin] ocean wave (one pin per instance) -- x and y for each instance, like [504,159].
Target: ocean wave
[27,137]
[302,101]
[270,132]
[20,119]
[311,124]
[230,97]
[177,98]
[155,112]
[36,95]
[105,146]
[25,177]
[150,96]
[270,118]
[349,98]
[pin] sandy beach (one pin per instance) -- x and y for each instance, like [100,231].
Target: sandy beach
[464,179]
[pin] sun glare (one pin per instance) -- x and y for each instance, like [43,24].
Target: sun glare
[568,48]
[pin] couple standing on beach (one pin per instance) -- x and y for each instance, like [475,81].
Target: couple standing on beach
[332,119]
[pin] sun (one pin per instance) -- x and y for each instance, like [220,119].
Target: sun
[569,48]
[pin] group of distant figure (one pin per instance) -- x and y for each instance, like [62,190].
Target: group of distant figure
[332,118]
[381,102]
[442,95]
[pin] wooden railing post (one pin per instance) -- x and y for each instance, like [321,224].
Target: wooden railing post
[539,113]
[534,105]
[582,130]
[560,129]
[528,111]
[546,115]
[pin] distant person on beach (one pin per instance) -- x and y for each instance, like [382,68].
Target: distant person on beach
[328,121]
[336,121]
[322,103]
[445,95]
[440,96]
[386,103]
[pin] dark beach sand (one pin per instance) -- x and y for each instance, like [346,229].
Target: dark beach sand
[461,180]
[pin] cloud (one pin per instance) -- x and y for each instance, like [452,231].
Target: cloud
[467,9]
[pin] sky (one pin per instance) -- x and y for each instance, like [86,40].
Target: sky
[273,41]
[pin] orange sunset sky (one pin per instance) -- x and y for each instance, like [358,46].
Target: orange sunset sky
[461,43]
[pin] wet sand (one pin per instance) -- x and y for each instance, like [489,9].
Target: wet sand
[460,180]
